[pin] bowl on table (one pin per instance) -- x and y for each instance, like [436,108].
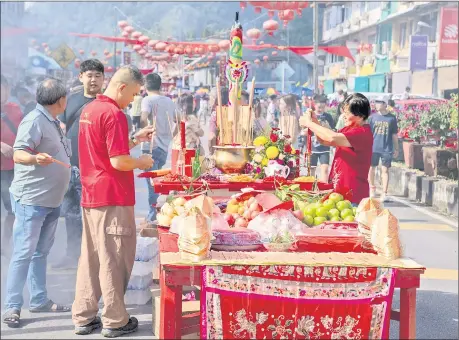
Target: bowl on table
[232,159]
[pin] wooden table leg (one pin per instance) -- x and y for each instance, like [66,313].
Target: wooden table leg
[170,310]
[407,313]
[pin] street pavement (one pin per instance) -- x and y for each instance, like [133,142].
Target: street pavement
[429,239]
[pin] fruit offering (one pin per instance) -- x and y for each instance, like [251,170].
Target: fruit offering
[241,178]
[240,212]
[334,209]
[305,179]
[176,178]
[170,210]
[272,179]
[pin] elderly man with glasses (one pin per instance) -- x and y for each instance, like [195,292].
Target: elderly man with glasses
[41,178]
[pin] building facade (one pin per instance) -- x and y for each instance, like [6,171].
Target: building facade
[379,35]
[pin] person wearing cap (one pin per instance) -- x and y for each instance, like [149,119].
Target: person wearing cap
[385,145]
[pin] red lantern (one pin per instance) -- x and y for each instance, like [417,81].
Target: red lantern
[137,47]
[93,53]
[136,35]
[210,57]
[257,61]
[213,48]
[129,29]
[243,4]
[178,50]
[125,34]
[152,43]
[109,69]
[258,10]
[77,60]
[144,39]
[224,45]
[188,50]
[122,24]
[265,58]
[271,14]
[261,42]
[45,45]
[118,52]
[161,46]
[270,26]
[106,52]
[274,52]
[81,52]
[286,16]
[142,52]
[77,64]
[254,34]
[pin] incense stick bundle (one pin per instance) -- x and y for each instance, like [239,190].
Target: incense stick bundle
[155,113]
[251,114]
[235,112]
[219,112]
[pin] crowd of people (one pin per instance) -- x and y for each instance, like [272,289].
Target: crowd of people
[66,152]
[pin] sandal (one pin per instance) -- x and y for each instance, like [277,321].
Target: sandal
[12,318]
[50,307]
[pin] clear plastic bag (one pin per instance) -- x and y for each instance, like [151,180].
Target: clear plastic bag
[146,248]
[269,224]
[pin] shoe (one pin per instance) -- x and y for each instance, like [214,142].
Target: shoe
[66,263]
[87,329]
[130,327]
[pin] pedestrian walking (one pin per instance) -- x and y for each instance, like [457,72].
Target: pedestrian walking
[108,199]
[193,130]
[92,78]
[156,107]
[11,116]
[37,192]
[385,146]
[136,111]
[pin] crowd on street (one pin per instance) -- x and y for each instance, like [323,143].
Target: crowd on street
[65,152]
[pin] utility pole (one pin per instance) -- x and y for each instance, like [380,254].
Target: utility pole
[315,27]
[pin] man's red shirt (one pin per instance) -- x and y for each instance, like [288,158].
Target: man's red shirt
[14,114]
[349,171]
[104,134]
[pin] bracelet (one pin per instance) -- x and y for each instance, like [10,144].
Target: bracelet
[134,141]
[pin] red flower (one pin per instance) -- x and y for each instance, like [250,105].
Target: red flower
[281,162]
[287,148]
[275,129]
[273,138]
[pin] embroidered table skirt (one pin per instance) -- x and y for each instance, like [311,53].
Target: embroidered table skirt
[296,302]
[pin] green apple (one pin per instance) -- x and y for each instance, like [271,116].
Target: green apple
[322,212]
[308,219]
[329,204]
[349,204]
[319,220]
[333,212]
[310,210]
[341,205]
[335,219]
[349,218]
[335,197]
[301,205]
[346,212]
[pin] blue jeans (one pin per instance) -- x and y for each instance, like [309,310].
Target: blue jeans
[159,157]
[33,237]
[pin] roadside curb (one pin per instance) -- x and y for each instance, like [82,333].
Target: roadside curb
[439,194]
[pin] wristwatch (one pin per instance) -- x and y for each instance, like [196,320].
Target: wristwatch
[134,141]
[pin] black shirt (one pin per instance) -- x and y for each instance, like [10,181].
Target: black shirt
[71,118]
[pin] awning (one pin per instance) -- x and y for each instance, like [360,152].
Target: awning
[422,82]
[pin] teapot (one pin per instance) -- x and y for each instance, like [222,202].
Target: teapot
[275,169]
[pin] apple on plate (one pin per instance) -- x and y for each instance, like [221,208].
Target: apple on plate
[335,197]
[329,204]
[333,213]
[349,218]
[322,212]
[309,220]
[310,210]
[341,205]
[319,220]
[346,212]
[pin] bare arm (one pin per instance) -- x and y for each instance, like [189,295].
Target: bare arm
[328,136]
[144,119]
[395,144]
[124,163]
[24,158]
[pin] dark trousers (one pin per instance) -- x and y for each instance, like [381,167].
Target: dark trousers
[71,211]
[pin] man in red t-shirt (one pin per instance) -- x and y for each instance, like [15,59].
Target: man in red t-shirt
[11,116]
[108,198]
[354,147]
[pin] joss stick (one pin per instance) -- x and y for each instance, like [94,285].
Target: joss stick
[235,109]
[219,112]
[170,125]
[249,128]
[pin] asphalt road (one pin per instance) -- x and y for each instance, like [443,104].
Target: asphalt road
[428,239]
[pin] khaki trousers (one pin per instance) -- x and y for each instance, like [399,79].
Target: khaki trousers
[105,265]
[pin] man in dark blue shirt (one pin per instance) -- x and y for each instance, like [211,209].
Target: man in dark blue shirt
[385,145]
[321,153]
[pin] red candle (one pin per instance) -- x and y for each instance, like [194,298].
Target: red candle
[182,135]
[309,141]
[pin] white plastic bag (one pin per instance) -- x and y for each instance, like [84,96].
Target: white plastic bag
[269,224]
[146,248]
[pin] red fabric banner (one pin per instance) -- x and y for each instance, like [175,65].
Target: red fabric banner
[342,51]
[448,48]
[296,302]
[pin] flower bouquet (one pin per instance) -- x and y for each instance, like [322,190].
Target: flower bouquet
[273,147]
